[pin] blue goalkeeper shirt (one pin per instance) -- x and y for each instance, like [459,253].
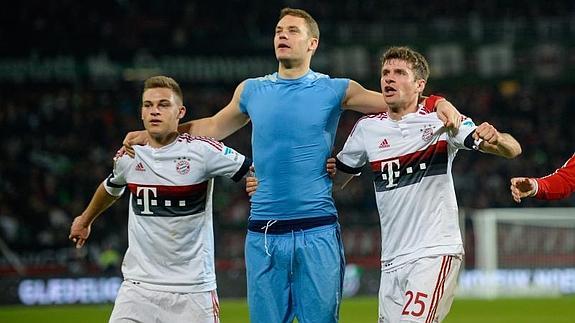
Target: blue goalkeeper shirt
[294,122]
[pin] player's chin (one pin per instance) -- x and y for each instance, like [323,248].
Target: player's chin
[390,101]
[283,56]
[155,131]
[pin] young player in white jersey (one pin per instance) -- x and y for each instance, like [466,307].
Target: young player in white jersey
[410,153]
[168,268]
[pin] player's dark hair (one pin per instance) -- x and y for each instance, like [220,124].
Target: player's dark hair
[418,62]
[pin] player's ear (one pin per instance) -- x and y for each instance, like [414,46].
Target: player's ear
[313,45]
[182,112]
[420,83]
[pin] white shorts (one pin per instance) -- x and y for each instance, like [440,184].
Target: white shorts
[420,291]
[137,304]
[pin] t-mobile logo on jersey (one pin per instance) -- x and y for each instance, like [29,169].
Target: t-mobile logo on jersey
[392,167]
[391,172]
[146,198]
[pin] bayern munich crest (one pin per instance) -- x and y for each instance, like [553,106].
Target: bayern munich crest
[183,166]
[427,132]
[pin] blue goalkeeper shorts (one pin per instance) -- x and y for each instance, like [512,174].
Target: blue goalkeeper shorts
[294,269]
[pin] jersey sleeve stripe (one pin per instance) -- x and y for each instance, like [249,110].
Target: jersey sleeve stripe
[110,184]
[469,142]
[243,170]
[347,169]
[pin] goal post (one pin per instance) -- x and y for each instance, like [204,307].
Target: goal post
[521,252]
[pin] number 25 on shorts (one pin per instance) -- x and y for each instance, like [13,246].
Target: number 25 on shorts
[415,304]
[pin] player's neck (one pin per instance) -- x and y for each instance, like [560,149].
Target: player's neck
[398,112]
[292,70]
[161,140]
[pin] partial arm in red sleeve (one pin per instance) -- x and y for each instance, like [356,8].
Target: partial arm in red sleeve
[559,184]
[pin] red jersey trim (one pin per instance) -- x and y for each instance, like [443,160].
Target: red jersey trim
[430,103]
[421,155]
[172,191]
[211,141]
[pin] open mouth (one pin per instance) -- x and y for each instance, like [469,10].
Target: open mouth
[283,46]
[389,90]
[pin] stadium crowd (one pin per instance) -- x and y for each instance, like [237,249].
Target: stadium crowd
[121,26]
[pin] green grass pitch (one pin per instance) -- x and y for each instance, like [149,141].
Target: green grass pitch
[353,310]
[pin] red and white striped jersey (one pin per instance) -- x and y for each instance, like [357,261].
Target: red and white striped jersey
[170,230]
[411,164]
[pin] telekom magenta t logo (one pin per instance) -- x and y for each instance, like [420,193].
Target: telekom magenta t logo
[146,198]
[392,172]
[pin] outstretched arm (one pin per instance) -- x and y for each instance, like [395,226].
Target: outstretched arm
[558,185]
[227,121]
[80,229]
[360,99]
[496,143]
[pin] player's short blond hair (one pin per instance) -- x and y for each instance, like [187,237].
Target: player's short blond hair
[418,63]
[166,82]
[312,26]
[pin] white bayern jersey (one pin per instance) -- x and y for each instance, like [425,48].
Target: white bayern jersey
[170,231]
[411,164]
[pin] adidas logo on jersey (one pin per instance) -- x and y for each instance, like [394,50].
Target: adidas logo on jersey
[140,167]
[384,144]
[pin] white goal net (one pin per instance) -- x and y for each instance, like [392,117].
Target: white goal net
[521,252]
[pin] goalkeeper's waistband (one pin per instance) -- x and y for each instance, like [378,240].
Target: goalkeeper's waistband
[287,226]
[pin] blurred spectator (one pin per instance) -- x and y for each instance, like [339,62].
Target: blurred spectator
[110,260]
